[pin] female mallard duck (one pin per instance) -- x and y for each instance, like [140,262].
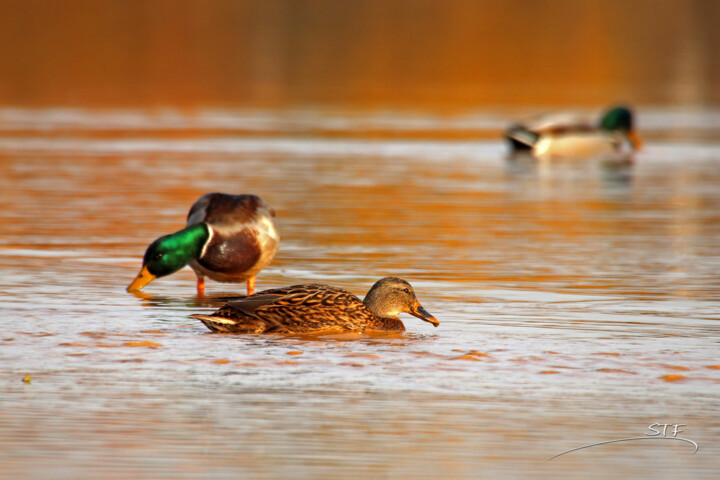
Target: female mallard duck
[565,136]
[228,238]
[316,308]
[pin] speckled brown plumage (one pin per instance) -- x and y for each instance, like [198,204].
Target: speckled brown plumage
[318,308]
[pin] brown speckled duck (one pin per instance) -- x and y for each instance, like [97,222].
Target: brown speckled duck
[228,238]
[317,308]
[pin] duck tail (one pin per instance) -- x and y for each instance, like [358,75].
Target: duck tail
[520,138]
[216,324]
[220,324]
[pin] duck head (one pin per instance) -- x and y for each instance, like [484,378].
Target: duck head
[620,119]
[170,253]
[391,296]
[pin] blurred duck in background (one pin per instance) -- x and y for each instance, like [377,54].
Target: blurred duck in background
[228,238]
[568,136]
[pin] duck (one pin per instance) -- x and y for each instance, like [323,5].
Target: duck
[319,309]
[227,238]
[568,136]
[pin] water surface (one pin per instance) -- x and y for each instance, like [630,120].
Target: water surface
[578,302]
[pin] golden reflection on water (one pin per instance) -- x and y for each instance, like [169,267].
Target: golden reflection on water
[368,53]
[574,308]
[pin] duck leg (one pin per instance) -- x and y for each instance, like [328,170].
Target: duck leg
[201,286]
[251,285]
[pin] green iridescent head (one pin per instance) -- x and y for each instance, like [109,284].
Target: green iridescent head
[617,119]
[170,253]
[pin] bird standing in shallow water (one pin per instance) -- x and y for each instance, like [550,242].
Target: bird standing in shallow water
[566,136]
[317,308]
[228,238]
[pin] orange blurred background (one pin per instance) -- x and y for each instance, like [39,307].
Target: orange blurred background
[358,53]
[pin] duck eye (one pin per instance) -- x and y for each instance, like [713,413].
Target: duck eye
[158,256]
[406,290]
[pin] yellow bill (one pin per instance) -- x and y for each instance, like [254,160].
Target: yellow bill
[635,139]
[143,278]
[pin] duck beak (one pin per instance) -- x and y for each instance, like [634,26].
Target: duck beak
[143,278]
[635,139]
[419,312]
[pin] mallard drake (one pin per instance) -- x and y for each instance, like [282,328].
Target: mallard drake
[567,136]
[228,238]
[317,308]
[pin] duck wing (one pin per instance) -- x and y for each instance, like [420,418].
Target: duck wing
[559,123]
[306,308]
[248,305]
[230,210]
